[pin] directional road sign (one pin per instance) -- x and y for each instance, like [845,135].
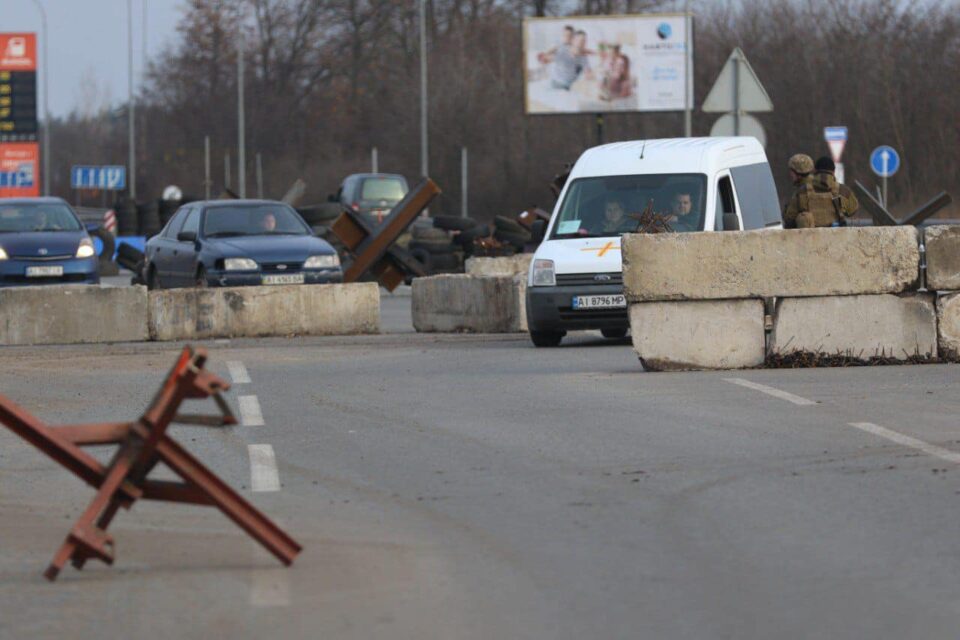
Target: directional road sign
[884,161]
[110,178]
[836,138]
[727,125]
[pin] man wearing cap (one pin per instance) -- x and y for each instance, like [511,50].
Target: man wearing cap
[801,170]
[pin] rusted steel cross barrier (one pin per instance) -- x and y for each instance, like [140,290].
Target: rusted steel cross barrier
[141,445]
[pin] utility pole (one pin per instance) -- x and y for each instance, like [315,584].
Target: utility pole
[424,159]
[131,109]
[688,65]
[206,167]
[464,182]
[46,102]
[259,176]
[241,125]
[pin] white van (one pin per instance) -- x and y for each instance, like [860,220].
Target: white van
[704,184]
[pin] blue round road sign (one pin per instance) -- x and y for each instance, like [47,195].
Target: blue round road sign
[884,161]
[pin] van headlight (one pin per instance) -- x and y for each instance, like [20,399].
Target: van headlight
[3,254]
[240,264]
[322,262]
[543,273]
[86,250]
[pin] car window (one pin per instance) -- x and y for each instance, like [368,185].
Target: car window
[725,203]
[192,223]
[37,216]
[173,226]
[253,220]
[390,189]
[611,205]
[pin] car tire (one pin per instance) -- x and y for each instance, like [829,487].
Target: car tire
[454,223]
[424,257]
[614,334]
[546,338]
[129,257]
[446,261]
[430,234]
[201,280]
[435,248]
[518,240]
[152,283]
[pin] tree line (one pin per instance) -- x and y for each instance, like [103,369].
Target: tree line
[328,80]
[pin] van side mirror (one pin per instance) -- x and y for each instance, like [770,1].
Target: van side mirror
[187,236]
[537,231]
[731,222]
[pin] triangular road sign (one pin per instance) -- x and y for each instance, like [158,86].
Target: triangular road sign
[737,80]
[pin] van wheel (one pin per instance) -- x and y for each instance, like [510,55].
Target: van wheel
[547,338]
[614,334]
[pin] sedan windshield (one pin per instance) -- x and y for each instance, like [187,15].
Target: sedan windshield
[608,206]
[37,216]
[252,220]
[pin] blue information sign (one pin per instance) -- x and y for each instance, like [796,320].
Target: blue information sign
[884,161]
[110,178]
[835,134]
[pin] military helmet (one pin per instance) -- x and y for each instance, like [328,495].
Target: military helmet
[801,163]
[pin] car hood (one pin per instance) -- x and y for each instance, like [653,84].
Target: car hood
[34,244]
[271,248]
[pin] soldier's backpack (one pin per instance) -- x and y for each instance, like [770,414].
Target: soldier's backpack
[823,204]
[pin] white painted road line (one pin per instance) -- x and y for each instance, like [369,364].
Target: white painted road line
[238,372]
[250,414]
[263,468]
[907,441]
[770,391]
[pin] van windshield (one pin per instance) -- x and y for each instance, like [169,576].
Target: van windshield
[611,205]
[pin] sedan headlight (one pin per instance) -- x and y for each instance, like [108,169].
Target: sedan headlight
[240,264]
[86,250]
[322,262]
[544,274]
[3,254]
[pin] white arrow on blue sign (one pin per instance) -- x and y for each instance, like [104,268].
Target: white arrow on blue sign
[884,161]
[109,177]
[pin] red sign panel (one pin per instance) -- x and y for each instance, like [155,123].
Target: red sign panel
[18,52]
[19,170]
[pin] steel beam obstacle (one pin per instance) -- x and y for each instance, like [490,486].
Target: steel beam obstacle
[141,446]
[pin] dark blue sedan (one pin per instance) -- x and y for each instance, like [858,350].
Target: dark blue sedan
[43,242]
[234,243]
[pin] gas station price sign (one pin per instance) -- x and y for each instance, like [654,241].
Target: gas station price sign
[18,87]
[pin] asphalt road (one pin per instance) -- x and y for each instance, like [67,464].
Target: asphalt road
[476,487]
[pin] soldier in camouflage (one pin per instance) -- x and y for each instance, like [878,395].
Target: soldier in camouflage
[801,170]
[819,200]
[844,202]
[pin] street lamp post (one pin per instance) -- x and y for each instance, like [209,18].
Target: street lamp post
[241,116]
[46,101]
[424,157]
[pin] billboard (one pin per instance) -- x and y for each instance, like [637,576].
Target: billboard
[19,169]
[596,64]
[18,87]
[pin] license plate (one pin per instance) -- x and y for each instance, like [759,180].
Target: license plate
[285,278]
[613,301]
[45,271]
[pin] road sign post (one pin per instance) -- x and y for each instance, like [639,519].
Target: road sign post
[737,92]
[885,161]
[836,138]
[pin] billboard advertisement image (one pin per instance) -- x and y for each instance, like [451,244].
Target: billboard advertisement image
[596,64]
[19,170]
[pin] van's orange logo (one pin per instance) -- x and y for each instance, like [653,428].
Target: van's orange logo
[605,248]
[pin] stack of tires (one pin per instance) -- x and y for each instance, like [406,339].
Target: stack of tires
[433,247]
[320,216]
[148,218]
[510,232]
[126,210]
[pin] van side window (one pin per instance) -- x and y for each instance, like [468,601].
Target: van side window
[759,203]
[726,206]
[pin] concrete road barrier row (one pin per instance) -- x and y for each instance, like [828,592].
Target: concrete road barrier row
[696,300]
[455,303]
[86,314]
[517,265]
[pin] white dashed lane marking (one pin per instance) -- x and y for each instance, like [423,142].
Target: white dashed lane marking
[250,414]
[238,372]
[263,468]
[770,391]
[907,441]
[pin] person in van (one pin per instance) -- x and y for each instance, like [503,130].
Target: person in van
[682,215]
[615,220]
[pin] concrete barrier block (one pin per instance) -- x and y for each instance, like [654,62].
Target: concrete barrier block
[72,314]
[507,266]
[770,263]
[862,326]
[943,257]
[948,325]
[334,309]
[691,335]
[463,303]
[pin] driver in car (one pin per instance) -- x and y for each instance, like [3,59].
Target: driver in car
[682,217]
[615,220]
[268,222]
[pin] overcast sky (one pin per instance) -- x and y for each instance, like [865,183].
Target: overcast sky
[88,45]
